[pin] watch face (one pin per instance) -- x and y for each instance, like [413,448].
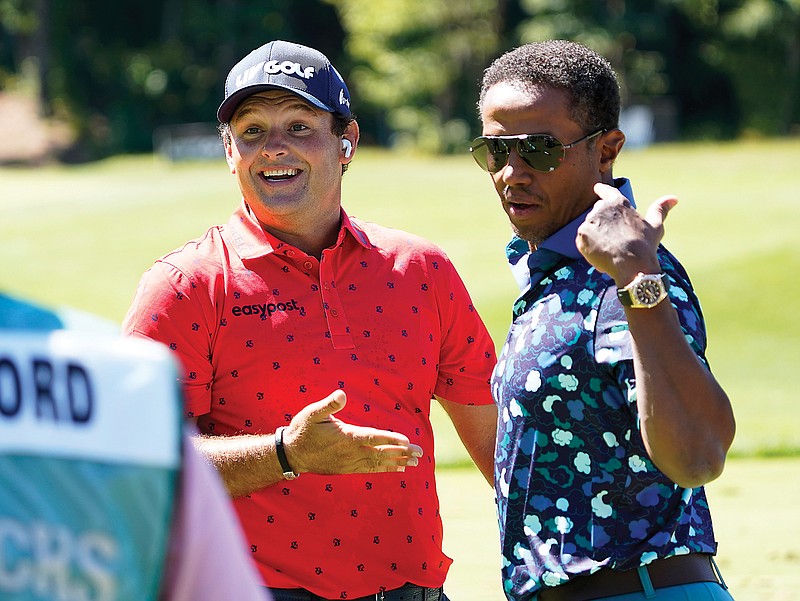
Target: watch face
[647,292]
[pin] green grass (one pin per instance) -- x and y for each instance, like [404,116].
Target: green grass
[754,505]
[82,236]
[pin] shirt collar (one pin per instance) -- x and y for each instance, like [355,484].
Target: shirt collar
[252,241]
[561,243]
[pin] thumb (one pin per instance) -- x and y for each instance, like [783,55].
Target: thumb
[328,406]
[658,211]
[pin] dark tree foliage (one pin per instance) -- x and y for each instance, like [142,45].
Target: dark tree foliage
[118,71]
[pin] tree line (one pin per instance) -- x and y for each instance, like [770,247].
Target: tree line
[117,71]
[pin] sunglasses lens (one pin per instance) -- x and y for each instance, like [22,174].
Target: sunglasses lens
[480,153]
[490,154]
[543,153]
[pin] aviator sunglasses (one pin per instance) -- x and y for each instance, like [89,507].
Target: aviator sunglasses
[541,152]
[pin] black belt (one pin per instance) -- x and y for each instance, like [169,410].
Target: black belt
[680,569]
[407,592]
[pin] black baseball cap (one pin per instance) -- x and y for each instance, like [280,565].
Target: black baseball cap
[279,64]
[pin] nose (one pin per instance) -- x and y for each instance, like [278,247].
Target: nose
[273,145]
[515,171]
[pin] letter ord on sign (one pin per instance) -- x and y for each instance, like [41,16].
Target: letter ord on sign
[54,391]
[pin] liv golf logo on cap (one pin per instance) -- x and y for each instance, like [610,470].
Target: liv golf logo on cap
[273,68]
[285,65]
[290,68]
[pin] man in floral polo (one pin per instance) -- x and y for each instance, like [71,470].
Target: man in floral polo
[610,420]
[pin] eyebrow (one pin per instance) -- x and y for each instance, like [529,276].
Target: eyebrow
[294,102]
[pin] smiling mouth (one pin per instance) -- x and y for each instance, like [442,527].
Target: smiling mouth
[279,174]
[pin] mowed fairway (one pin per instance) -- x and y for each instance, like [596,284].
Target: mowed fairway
[756,521]
[82,236]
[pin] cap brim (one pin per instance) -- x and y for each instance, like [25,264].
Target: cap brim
[231,103]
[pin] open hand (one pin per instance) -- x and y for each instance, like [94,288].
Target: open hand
[317,441]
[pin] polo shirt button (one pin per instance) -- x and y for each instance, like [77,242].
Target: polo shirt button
[289,253]
[308,265]
[334,313]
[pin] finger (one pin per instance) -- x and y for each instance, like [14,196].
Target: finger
[388,459]
[657,212]
[323,409]
[610,193]
[399,450]
[372,437]
[394,455]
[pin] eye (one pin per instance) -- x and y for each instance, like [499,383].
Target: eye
[298,127]
[253,130]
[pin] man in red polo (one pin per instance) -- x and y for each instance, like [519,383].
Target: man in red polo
[293,301]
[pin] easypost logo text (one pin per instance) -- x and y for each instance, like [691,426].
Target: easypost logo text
[265,310]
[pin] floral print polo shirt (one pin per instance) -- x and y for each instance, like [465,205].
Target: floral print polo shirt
[576,489]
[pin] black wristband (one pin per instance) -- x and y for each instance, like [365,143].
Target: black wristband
[288,472]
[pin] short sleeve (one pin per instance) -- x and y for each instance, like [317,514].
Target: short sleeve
[467,355]
[171,308]
[613,344]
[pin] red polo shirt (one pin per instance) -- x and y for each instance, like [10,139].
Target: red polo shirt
[263,329]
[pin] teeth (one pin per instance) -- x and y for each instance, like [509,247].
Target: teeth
[281,172]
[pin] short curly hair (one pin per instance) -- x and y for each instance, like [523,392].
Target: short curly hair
[583,74]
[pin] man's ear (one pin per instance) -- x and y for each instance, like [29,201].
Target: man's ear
[350,141]
[610,145]
[229,154]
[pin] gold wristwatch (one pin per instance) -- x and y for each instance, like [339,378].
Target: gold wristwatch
[645,291]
